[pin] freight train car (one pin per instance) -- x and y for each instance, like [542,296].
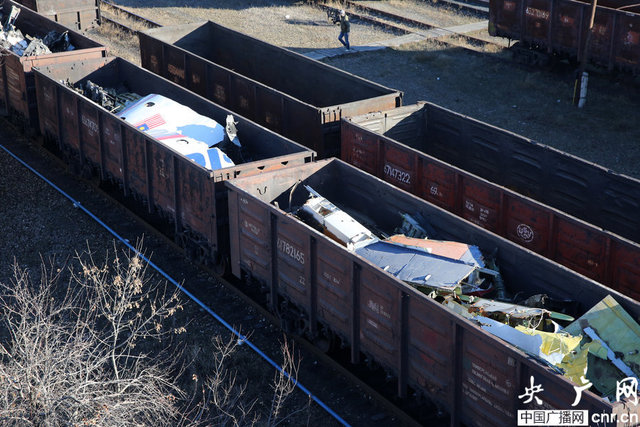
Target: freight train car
[17,90]
[560,27]
[415,148]
[326,289]
[76,14]
[298,97]
[171,186]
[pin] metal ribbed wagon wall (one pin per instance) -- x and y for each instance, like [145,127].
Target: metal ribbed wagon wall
[289,93]
[560,26]
[75,14]
[474,375]
[17,90]
[541,198]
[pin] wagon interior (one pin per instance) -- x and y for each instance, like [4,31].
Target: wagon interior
[280,69]
[116,73]
[35,25]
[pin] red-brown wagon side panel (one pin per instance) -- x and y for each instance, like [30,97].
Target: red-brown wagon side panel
[561,26]
[625,268]
[16,84]
[196,200]
[537,20]
[430,350]
[399,166]
[626,40]
[581,248]
[135,153]
[69,121]
[76,14]
[481,204]
[439,185]
[360,149]
[529,225]
[487,390]
[293,257]
[253,239]
[161,165]
[47,98]
[112,148]
[379,313]
[90,132]
[334,288]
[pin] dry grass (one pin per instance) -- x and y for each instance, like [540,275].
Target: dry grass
[424,11]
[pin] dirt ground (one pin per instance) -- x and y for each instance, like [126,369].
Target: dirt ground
[534,102]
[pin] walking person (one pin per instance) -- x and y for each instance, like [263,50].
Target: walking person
[345,27]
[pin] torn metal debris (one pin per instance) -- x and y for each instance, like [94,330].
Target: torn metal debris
[423,263]
[602,345]
[13,39]
[618,336]
[336,223]
[419,268]
[197,137]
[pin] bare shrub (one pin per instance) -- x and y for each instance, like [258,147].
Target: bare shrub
[70,356]
[93,349]
[224,399]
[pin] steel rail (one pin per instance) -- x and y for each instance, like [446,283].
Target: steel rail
[131,15]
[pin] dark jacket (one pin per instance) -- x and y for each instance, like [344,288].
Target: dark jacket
[345,25]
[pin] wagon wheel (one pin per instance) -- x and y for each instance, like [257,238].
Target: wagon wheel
[220,265]
[324,340]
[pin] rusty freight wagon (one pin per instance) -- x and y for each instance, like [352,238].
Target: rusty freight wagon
[427,150]
[325,290]
[17,90]
[182,193]
[560,27]
[298,97]
[76,14]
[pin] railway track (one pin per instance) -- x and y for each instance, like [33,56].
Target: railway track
[123,19]
[477,7]
[402,25]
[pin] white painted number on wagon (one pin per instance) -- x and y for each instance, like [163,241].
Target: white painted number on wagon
[290,250]
[397,174]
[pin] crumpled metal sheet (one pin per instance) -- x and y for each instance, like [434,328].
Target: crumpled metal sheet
[36,48]
[616,329]
[417,267]
[12,39]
